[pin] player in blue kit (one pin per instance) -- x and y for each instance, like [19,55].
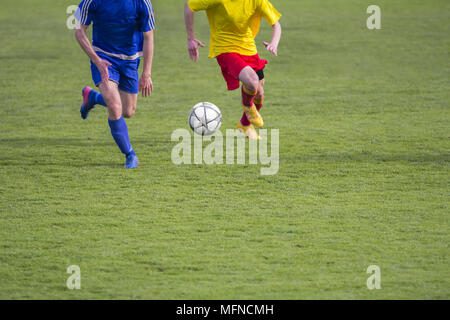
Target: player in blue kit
[122,33]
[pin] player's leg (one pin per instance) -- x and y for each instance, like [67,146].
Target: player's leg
[250,85]
[92,97]
[119,129]
[244,124]
[128,92]
[129,103]
[259,98]
[111,95]
[235,69]
[129,87]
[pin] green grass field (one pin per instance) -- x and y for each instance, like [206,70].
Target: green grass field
[364,163]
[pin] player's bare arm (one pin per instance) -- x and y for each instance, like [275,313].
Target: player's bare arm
[85,44]
[192,42]
[276,36]
[145,82]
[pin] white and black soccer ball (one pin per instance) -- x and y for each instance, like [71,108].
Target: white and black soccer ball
[205,118]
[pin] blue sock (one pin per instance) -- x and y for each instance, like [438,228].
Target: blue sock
[119,131]
[96,98]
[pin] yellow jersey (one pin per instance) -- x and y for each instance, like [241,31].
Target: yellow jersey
[234,24]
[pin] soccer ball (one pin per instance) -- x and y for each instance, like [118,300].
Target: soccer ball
[205,118]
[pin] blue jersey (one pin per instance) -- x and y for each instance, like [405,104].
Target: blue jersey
[117,25]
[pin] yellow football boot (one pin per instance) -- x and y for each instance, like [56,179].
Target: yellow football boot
[249,131]
[253,116]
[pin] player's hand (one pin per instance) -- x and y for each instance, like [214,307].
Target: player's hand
[102,66]
[146,85]
[271,48]
[193,48]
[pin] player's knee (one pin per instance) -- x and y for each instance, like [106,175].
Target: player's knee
[129,111]
[253,84]
[250,79]
[115,111]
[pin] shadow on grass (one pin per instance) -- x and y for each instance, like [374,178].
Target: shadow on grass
[42,163]
[38,152]
[54,141]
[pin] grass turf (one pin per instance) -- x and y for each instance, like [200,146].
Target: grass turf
[364,164]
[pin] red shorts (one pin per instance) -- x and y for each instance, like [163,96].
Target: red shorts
[232,64]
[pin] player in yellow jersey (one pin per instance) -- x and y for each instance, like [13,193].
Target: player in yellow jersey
[234,25]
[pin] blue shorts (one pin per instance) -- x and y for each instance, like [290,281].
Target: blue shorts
[123,72]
